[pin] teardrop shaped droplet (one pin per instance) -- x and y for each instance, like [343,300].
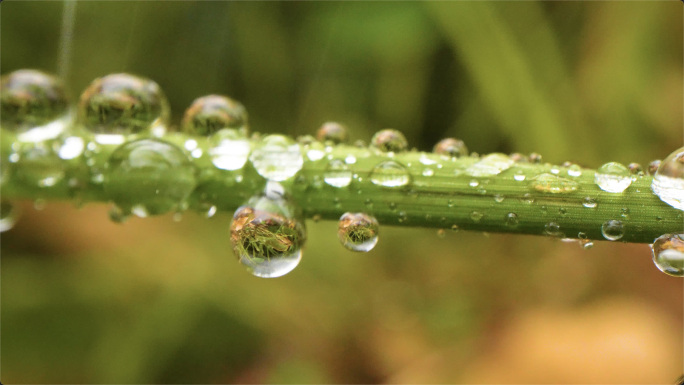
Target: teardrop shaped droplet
[358,231]
[229,149]
[267,235]
[668,254]
[668,181]
[332,132]
[209,114]
[553,184]
[390,174]
[389,140]
[277,158]
[612,230]
[118,105]
[613,177]
[454,148]
[337,174]
[8,216]
[34,105]
[148,177]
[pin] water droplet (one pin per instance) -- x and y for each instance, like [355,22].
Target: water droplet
[118,105]
[535,158]
[148,177]
[553,229]
[668,181]
[117,215]
[589,202]
[229,149]
[518,157]
[562,211]
[511,219]
[390,174]
[555,170]
[33,105]
[613,177]
[553,184]
[38,165]
[389,140]
[210,114]
[358,231]
[8,216]
[574,170]
[612,230]
[473,183]
[332,132]
[350,159]
[624,212]
[441,233]
[428,172]
[519,176]
[498,198]
[267,235]
[211,211]
[455,228]
[635,168]
[653,166]
[337,174]
[668,254]
[71,148]
[527,198]
[490,165]
[277,158]
[476,216]
[586,244]
[451,147]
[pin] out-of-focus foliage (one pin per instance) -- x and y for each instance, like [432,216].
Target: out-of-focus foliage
[156,301]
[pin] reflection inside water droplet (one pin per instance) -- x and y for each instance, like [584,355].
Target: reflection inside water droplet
[358,231]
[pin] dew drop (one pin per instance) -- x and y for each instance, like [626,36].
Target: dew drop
[473,183]
[635,168]
[589,202]
[148,177]
[212,113]
[428,172]
[332,132]
[535,158]
[118,105]
[668,181]
[267,235]
[574,171]
[451,147]
[519,176]
[511,220]
[586,244]
[390,174]
[33,105]
[613,177]
[229,149]
[358,231]
[277,158]
[612,230]
[8,216]
[552,184]
[490,165]
[653,166]
[476,216]
[337,174]
[553,229]
[389,140]
[498,198]
[668,254]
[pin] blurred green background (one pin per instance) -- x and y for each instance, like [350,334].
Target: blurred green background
[85,300]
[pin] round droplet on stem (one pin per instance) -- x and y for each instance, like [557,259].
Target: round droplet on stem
[389,140]
[277,158]
[451,147]
[229,149]
[390,174]
[613,230]
[358,231]
[209,114]
[589,202]
[337,174]
[668,181]
[635,168]
[332,132]
[552,184]
[668,254]
[653,166]
[613,177]
[511,219]
[34,105]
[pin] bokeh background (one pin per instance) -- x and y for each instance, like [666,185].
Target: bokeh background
[85,300]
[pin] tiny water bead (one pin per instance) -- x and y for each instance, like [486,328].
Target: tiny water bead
[552,184]
[358,231]
[668,181]
[148,177]
[332,132]
[668,254]
[613,177]
[33,105]
[390,174]
[229,149]
[653,166]
[209,114]
[553,229]
[118,105]
[612,230]
[589,202]
[267,235]
[574,170]
[337,174]
[511,219]
[277,158]
[389,140]
[454,148]
[8,216]
[635,168]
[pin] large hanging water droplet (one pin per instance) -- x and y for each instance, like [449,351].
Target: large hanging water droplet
[212,113]
[267,235]
[490,165]
[451,147]
[358,231]
[613,177]
[668,254]
[553,184]
[118,105]
[668,181]
[337,174]
[33,105]
[612,230]
[332,132]
[148,177]
[390,174]
[389,140]
[277,158]
[37,164]
[229,149]
[8,216]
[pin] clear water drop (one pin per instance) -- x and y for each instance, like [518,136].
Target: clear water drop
[519,176]
[635,168]
[428,172]
[8,216]
[668,254]
[389,140]
[553,229]
[358,231]
[451,147]
[118,105]
[390,174]
[33,105]
[552,184]
[574,171]
[613,177]
[476,216]
[668,181]
[535,158]
[337,174]
[589,202]
[229,149]
[277,158]
[473,183]
[267,235]
[498,198]
[612,230]
[332,132]
[511,220]
[490,165]
[653,166]
[586,244]
[210,114]
[148,177]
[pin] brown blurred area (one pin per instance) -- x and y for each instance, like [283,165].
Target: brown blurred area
[85,300]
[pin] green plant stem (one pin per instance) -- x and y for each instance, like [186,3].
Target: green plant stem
[446,199]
